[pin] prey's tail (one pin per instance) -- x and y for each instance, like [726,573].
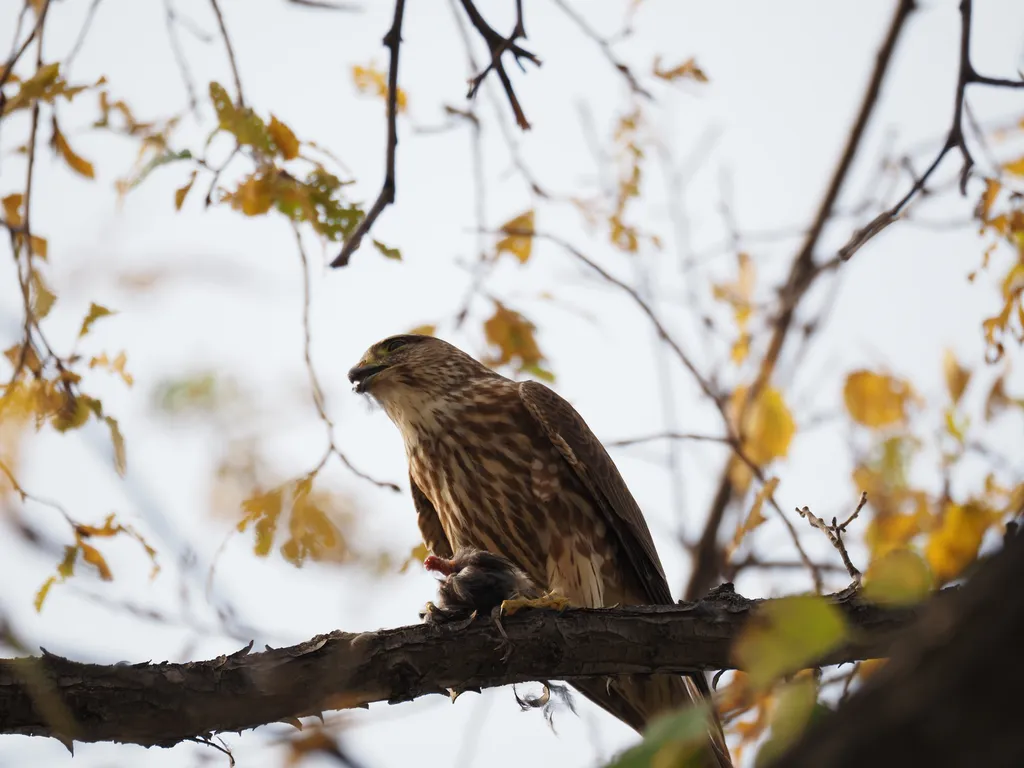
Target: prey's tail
[638,699]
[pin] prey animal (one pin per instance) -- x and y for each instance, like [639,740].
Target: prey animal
[477,582]
[511,468]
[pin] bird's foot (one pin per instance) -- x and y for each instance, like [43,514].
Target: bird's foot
[431,614]
[549,601]
[505,646]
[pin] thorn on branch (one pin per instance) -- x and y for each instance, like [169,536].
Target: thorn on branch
[393,42]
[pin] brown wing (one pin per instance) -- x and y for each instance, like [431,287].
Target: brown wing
[588,458]
[429,523]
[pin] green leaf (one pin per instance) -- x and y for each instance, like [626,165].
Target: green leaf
[794,709]
[96,311]
[676,739]
[390,253]
[786,635]
[901,577]
[156,162]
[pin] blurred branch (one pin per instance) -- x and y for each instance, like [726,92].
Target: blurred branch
[163,704]
[967,75]
[604,45]
[666,436]
[90,15]
[314,380]
[802,274]
[324,5]
[392,41]
[230,50]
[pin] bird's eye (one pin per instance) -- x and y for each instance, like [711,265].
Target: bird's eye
[394,344]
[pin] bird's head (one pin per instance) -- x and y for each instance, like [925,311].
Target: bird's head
[413,369]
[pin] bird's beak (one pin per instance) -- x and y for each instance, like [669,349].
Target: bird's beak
[361,375]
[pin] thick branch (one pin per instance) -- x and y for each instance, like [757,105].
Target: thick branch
[948,694]
[162,704]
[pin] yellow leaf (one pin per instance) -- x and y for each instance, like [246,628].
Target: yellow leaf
[92,556]
[66,568]
[768,426]
[513,335]
[120,458]
[76,162]
[519,239]
[43,592]
[96,311]
[954,544]
[263,509]
[786,635]
[688,69]
[283,138]
[39,247]
[182,192]
[372,80]
[956,376]
[416,557]
[253,196]
[12,209]
[876,400]
[424,330]
[988,198]
[42,297]
[900,577]
[1016,167]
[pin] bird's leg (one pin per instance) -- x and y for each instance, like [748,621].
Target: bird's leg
[549,601]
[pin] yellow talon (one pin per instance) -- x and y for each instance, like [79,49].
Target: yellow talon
[549,601]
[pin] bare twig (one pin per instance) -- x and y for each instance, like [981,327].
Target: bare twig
[835,534]
[86,26]
[604,45]
[392,41]
[851,518]
[323,5]
[498,45]
[668,436]
[8,69]
[314,380]
[230,50]
[172,20]
[955,139]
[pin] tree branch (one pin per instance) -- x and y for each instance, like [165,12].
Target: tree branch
[392,41]
[802,273]
[955,139]
[946,695]
[162,704]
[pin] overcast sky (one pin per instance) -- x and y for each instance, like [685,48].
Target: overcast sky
[224,293]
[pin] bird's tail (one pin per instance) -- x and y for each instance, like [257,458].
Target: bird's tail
[638,699]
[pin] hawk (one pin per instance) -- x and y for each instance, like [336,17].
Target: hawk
[511,468]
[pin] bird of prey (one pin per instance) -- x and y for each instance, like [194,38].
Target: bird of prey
[511,468]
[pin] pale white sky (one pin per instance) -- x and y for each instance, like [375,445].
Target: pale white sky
[786,79]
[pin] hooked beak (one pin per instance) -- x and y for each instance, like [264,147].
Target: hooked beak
[361,374]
